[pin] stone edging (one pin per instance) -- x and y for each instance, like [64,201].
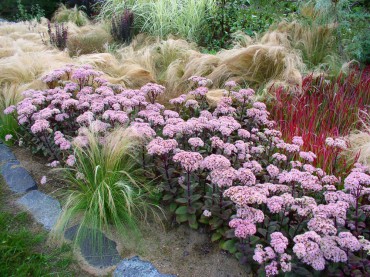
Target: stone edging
[46,210]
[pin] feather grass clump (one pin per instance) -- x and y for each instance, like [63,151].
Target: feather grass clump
[75,15]
[106,188]
[88,39]
[359,142]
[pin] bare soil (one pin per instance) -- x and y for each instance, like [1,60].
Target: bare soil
[173,249]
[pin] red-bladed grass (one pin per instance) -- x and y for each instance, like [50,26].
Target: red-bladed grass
[323,109]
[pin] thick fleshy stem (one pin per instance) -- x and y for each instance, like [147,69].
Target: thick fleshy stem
[299,225]
[213,192]
[356,216]
[143,156]
[188,187]
[220,202]
[52,152]
[166,167]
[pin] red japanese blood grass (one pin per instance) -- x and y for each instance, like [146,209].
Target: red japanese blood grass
[323,109]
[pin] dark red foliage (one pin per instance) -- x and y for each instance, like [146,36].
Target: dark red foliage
[122,26]
[323,109]
[58,36]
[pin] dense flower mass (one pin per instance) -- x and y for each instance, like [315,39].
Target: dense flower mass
[226,167]
[190,161]
[159,146]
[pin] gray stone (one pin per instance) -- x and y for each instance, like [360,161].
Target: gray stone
[6,154]
[98,250]
[44,208]
[17,177]
[134,267]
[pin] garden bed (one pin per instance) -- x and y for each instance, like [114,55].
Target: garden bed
[143,144]
[172,249]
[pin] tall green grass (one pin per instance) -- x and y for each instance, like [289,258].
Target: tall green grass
[107,191]
[184,18]
[9,95]
[24,251]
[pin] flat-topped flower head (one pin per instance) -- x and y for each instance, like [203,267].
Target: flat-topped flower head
[230,84]
[143,129]
[199,92]
[190,161]
[251,214]
[200,81]
[84,73]
[246,176]
[8,137]
[71,160]
[308,156]
[215,161]
[178,100]
[243,196]
[297,141]
[99,126]
[43,180]
[357,183]
[243,95]
[170,114]
[159,146]
[336,143]
[40,126]
[254,166]
[243,228]
[273,170]
[223,177]
[322,225]
[196,142]
[85,118]
[10,109]
[152,91]
[191,103]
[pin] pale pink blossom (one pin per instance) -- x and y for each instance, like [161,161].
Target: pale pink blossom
[71,160]
[43,180]
[8,137]
[159,146]
[190,161]
[196,142]
[214,161]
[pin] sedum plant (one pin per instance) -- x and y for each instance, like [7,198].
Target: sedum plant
[106,188]
[226,168]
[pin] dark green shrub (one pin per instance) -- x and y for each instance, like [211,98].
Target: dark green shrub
[9,8]
[243,15]
[35,12]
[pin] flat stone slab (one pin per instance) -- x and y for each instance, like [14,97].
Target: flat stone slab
[17,177]
[6,154]
[99,254]
[135,267]
[44,208]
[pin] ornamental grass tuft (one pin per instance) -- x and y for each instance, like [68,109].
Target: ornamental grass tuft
[106,188]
